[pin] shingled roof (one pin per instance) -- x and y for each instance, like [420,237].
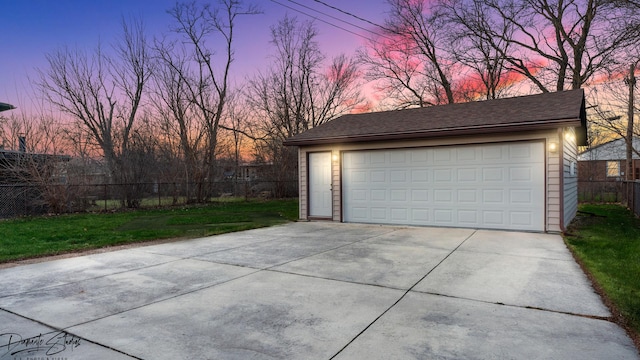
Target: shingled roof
[524,113]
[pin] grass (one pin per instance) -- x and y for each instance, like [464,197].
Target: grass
[602,197]
[51,235]
[606,240]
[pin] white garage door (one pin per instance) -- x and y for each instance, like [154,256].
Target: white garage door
[492,186]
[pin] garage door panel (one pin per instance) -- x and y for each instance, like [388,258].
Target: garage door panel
[493,196]
[467,174]
[522,196]
[378,195]
[468,217]
[419,215]
[443,196]
[443,216]
[441,155]
[378,176]
[493,153]
[378,158]
[522,218]
[497,186]
[494,174]
[379,213]
[419,176]
[465,155]
[493,218]
[442,175]
[468,196]
[360,213]
[357,159]
[398,176]
[359,195]
[419,195]
[520,174]
[358,176]
[399,195]
[519,152]
[420,157]
[398,157]
[399,214]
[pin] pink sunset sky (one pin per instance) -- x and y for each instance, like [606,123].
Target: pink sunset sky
[29,29]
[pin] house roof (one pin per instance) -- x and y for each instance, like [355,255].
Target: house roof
[12,156]
[613,150]
[5,106]
[524,113]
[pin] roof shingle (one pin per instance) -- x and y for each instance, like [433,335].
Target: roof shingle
[524,113]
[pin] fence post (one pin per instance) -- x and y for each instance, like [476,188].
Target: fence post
[629,194]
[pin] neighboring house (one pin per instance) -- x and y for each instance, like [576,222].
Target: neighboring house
[20,167]
[5,107]
[87,172]
[497,164]
[21,187]
[248,171]
[608,162]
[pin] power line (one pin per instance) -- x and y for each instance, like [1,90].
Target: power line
[352,15]
[322,20]
[333,17]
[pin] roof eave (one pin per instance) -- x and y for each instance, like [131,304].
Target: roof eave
[477,130]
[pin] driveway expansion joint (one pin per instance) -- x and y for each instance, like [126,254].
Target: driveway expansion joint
[90,278]
[402,296]
[529,307]
[332,279]
[57,330]
[474,251]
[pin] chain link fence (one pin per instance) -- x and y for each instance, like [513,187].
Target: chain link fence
[22,200]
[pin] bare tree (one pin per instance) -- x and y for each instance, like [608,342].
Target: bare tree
[298,92]
[205,88]
[408,60]
[557,44]
[236,125]
[487,74]
[609,112]
[102,93]
[181,128]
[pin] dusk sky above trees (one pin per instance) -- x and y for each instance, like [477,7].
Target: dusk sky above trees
[397,54]
[30,29]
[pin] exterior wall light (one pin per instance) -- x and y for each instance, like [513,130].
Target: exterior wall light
[570,137]
[553,147]
[335,157]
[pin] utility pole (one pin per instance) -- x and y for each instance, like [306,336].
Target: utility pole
[630,169]
[631,81]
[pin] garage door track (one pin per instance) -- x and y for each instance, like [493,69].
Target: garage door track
[313,291]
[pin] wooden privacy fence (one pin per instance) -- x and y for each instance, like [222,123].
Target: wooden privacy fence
[622,192]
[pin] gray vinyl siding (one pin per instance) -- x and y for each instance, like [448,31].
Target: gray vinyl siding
[570,181]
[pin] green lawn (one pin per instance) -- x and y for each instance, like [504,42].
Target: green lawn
[50,235]
[606,239]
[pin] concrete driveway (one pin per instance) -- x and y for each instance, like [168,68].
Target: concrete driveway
[313,291]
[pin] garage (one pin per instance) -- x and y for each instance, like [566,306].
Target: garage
[505,164]
[478,186]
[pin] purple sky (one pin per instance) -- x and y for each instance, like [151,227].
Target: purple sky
[29,29]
